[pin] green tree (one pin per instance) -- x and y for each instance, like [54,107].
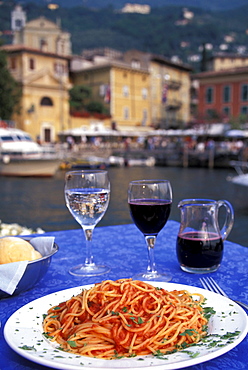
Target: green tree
[237,123]
[10,91]
[79,97]
[81,100]
[96,107]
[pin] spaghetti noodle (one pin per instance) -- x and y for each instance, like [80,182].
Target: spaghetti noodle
[125,318]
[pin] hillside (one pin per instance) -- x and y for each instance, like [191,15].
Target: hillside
[159,32]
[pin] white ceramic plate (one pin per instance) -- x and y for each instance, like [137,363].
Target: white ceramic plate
[23,332]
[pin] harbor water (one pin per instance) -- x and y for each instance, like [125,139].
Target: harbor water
[39,202]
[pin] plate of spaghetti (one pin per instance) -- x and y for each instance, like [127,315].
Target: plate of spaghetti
[126,324]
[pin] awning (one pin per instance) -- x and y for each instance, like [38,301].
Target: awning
[237,133]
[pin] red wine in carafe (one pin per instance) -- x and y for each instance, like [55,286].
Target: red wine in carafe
[196,250]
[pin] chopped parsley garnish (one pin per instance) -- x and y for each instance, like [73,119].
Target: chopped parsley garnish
[189,332]
[191,354]
[117,356]
[137,321]
[115,313]
[46,335]
[27,348]
[208,312]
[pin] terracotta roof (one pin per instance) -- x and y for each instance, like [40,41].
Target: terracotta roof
[222,72]
[161,59]
[109,64]
[11,48]
[224,55]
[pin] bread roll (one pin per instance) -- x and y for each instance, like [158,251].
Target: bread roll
[14,249]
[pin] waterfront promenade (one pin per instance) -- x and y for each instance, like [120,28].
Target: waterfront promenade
[172,153]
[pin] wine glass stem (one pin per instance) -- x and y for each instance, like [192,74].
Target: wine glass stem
[88,236]
[150,241]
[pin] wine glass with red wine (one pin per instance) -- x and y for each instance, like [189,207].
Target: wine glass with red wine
[150,205]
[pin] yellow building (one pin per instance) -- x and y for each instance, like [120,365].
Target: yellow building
[170,98]
[44,78]
[124,91]
[146,90]
[220,61]
[169,89]
[39,60]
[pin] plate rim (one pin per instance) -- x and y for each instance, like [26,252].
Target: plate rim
[176,365]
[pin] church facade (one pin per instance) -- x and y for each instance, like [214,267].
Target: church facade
[39,59]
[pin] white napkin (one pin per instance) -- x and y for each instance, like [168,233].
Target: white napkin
[11,273]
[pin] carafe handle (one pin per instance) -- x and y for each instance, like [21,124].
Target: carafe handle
[229,220]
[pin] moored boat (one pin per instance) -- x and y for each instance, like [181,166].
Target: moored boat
[239,184]
[21,156]
[240,179]
[241,168]
[131,158]
[85,163]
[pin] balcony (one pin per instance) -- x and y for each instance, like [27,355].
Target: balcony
[173,104]
[174,85]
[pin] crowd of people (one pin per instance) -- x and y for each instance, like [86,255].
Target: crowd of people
[154,143]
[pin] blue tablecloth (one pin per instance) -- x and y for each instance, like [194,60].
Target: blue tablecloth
[123,248]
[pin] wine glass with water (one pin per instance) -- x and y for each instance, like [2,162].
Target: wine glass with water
[87,196]
[150,204]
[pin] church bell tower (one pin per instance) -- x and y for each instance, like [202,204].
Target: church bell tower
[18,18]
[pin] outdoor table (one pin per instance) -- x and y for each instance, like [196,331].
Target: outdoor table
[123,248]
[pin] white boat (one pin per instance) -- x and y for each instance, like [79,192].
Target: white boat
[242,174]
[239,184]
[131,159]
[21,156]
[240,179]
[149,162]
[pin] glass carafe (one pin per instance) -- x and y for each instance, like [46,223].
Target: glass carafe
[200,241]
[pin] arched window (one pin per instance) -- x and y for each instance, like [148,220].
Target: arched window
[46,101]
